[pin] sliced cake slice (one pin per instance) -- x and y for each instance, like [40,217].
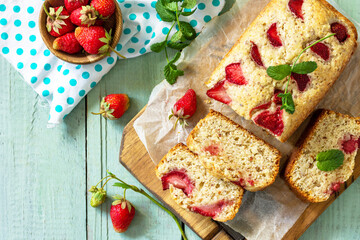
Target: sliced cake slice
[230,152]
[196,190]
[330,131]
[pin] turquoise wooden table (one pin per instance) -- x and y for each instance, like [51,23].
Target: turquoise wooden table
[45,173]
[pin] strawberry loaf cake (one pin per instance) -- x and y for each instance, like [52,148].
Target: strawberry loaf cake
[276,37]
[230,152]
[331,132]
[196,190]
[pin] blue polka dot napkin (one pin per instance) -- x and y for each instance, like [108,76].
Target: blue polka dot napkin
[62,84]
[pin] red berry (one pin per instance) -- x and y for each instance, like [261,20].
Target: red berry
[213,149]
[271,120]
[301,80]
[71,5]
[67,43]
[58,21]
[234,74]
[84,16]
[90,38]
[255,55]
[121,214]
[179,179]
[296,7]
[105,8]
[184,108]
[349,144]
[340,30]
[218,92]
[276,99]
[113,106]
[211,210]
[322,50]
[273,36]
[335,187]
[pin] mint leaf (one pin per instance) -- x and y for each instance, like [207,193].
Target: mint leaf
[177,45]
[188,13]
[287,102]
[187,30]
[172,6]
[176,37]
[158,47]
[122,185]
[165,14]
[189,4]
[176,57]
[279,72]
[329,160]
[172,73]
[304,67]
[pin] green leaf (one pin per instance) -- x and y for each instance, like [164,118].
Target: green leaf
[188,13]
[122,185]
[329,160]
[189,4]
[177,45]
[158,47]
[165,14]
[172,73]
[176,57]
[172,6]
[176,37]
[279,72]
[187,30]
[304,67]
[287,102]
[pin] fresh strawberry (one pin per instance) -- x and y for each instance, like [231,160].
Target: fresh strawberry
[84,16]
[296,7]
[184,108]
[105,8]
[255,55]
[349,144]
[211,210]
[234,74]
[218,92]
[94,39]
[276,99]
[322,50]
[113,106]
[214,149]
[58,21]
[301,80]
[340,30]
[273,36]
[179,179]
[67,43]
[271,120]
[122,213]
[71,5]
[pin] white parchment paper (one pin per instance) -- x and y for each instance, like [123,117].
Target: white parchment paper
[267,214]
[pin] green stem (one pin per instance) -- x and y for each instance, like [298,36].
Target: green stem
[106,182]
[298,57]
[177,16]
[103,177]
[166,39]
[117,53]
[135,189]
[47,12]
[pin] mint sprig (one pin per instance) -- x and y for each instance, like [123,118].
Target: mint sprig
[169,11]
[329,160]
[282,71]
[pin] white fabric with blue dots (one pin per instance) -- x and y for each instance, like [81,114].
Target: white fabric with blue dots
[63,84]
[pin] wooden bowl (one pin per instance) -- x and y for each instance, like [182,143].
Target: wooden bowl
[115,23]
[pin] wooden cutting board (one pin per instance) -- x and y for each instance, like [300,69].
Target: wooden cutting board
[134,157]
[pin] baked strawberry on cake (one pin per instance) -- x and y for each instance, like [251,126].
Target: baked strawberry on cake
[326,158]
[230,152]
[276,37]
[196,190]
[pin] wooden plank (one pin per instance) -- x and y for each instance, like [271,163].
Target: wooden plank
[134,157]
[103,142]
[42,180]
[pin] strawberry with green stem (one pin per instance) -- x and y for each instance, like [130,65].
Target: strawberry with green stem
[126,186]
[113,106]
[95,40]
[286,71]
[184,108]
[58,21]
